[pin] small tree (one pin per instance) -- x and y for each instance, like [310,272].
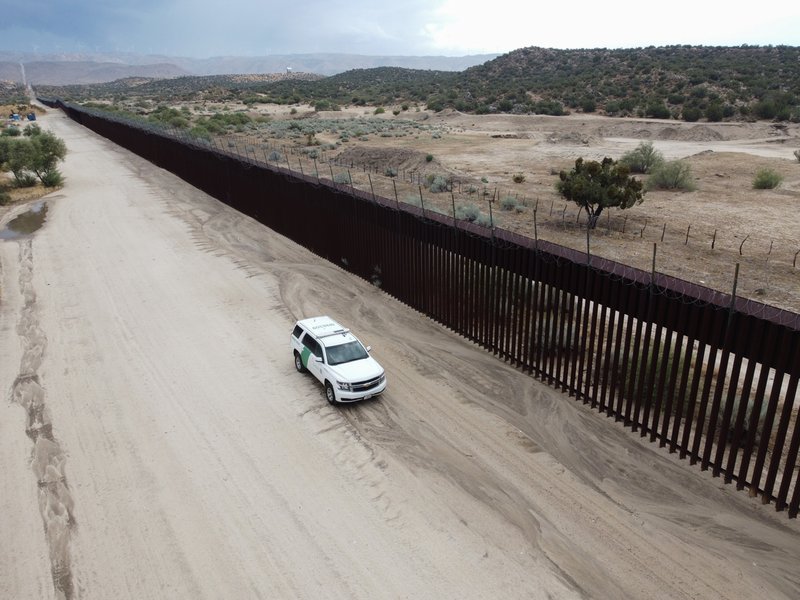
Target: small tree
[48,151]
[19,158]
[595,186]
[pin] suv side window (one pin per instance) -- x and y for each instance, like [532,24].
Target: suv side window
[298,331]
[313,346]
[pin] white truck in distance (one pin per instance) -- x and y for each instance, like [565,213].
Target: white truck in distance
[337,358]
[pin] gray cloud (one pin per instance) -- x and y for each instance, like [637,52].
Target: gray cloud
[237,27]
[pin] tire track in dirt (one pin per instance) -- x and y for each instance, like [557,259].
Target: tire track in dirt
[47,457]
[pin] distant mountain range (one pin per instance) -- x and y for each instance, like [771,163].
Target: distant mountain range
[33,69]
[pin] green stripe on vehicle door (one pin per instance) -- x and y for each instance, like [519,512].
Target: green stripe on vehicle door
[304,356]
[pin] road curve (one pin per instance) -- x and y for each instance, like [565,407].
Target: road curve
[156,441]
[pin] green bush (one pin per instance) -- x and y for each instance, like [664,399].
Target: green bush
[201,132]
[471,213]
[12,131]
[714,112]
[5,198]
[672,175]
[767,179]
[436,184]
[797,155]
[643,159]
[52,178]
[428,157]
[468,212]
[32,130]
[509,203]
[657,110]
[380,110]
[691,114]
[390,172]
[518,178]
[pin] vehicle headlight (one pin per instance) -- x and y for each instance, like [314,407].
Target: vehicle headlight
[344,385]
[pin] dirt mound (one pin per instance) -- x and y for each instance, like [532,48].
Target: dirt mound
[698,133]
[570,138]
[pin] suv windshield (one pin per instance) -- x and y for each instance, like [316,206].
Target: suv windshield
[345,353]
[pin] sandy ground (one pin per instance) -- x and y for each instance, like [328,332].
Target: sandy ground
[156,442]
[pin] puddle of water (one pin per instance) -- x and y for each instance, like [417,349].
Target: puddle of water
[26,223]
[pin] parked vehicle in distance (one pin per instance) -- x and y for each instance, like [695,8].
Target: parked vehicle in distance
[338,359]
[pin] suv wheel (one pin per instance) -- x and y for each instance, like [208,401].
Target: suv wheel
[298,363]
[329,393]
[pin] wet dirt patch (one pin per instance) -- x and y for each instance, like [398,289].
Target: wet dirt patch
[25,224]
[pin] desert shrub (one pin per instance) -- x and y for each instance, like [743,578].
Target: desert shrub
[797,155]
[471,213]
[518,178]
[612,108]
[643,159]
[319,105]
[343,177]
[390,172]
[436,183]
[32,130]
[12,131]
[509,203]
[714,112]
[672,175]
[767,179]
[468,212]
[52,178]
[691,114]
[274,156]
[200,132]
[483,220]
[657,110]
[5,198]
[428,157]
[396,112]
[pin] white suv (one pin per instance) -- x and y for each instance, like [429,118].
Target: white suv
[338,359]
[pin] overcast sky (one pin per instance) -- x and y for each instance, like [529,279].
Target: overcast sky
[201,29]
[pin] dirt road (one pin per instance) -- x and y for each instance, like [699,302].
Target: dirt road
[156,442]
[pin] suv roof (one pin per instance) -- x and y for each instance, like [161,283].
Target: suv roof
[325,327]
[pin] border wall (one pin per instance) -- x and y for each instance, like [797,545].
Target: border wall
[708,375]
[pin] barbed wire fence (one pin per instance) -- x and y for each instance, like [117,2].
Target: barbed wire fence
[686,249]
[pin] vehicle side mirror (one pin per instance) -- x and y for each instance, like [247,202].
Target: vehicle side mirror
[318,358]
[369,348]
